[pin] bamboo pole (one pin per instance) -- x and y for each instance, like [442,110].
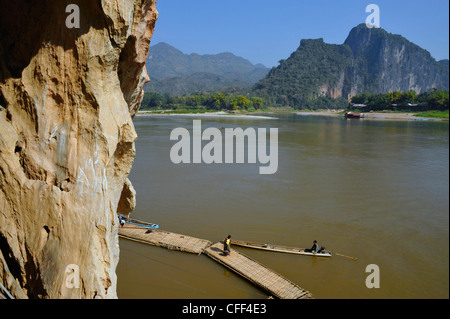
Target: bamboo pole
[337,254]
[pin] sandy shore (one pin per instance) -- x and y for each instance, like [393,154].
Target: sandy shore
[215,114]
[334,113]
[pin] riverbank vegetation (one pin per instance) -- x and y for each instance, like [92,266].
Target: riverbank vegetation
[434,114]
[431,100]
[433,103]
[202,101]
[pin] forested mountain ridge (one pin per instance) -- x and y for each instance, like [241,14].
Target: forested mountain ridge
[370,60]
[174,72]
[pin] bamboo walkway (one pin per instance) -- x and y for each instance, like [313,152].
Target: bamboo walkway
[260,275]
[257,273]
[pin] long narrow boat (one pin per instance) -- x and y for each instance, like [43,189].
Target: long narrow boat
[141,223]
[279,248]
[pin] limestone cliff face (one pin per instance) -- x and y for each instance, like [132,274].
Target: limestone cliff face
[385,62]
[67,141]
[370,60]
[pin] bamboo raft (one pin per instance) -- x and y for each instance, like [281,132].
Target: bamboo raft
[161,238]
[260,275]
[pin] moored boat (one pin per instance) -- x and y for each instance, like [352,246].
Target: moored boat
[140,223]
[279,248]
[352,115]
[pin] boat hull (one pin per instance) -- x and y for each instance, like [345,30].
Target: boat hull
[141,223]
[351,115]
[279,248]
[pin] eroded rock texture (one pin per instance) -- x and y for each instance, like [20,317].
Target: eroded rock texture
[67,140]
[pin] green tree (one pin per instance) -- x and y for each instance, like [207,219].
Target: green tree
[242,101]
[258,102]
[232,103]
[439,99]
[358,99]
[394,97]
[409,97]
[152,100]
[220,100]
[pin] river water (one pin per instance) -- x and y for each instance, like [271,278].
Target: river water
[377,190]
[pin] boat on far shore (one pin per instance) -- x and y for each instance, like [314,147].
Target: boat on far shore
[353,115]
[279,248]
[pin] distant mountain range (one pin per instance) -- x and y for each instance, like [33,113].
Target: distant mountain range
[370,60]
[174,72]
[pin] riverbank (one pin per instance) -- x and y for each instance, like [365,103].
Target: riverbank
[204,114]
[377,115]
[333,113]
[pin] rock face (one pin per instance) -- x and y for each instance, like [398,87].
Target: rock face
[370,60]
[384,62]
[68,96]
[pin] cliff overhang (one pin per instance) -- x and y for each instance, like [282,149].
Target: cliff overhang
[68,96]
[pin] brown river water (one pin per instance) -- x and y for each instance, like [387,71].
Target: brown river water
[377,190]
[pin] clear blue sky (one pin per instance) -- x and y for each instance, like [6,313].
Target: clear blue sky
[264,31]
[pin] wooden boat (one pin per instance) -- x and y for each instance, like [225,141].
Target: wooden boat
[140,223]
[279,248]
[352,115]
